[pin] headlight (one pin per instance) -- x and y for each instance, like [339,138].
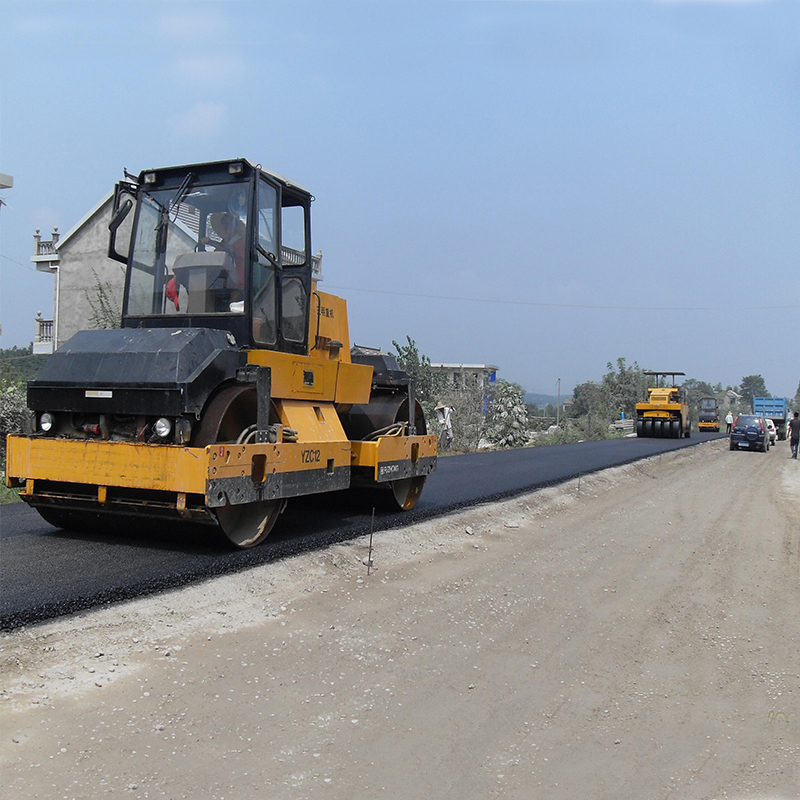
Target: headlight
[46,421]
[162,428]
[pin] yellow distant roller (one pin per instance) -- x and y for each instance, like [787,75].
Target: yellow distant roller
[665,414]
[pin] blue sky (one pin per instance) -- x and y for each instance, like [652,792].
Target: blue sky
[545,186]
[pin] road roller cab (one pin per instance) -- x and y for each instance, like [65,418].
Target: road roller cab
[230,386]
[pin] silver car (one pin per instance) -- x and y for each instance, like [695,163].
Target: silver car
[773,431]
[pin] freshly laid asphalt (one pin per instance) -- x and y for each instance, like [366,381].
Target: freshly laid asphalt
[47,573]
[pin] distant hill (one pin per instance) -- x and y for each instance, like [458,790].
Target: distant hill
[542,400]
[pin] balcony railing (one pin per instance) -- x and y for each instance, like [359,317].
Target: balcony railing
[43,339]
[41,248]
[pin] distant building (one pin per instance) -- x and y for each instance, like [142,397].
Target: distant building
[466,376]
[461,376]
[77,261]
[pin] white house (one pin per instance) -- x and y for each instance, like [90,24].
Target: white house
[78,262]
[460,376]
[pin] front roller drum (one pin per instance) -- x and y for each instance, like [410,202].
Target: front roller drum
[226,419]
[248,524]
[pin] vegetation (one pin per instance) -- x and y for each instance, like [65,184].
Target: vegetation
[102,299]
[467,415]
[695,390]
[428,385]
[18,365]
[620,389]
[506,416]
[13,419]
[753,386]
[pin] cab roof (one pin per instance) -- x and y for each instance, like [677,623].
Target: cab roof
[212,166]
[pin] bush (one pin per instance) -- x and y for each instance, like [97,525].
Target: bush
[13,414]
[507,417]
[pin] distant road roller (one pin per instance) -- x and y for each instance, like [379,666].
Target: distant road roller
[665,413]
[708,417]
[230,386]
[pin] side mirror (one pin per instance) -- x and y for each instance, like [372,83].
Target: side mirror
[121,224]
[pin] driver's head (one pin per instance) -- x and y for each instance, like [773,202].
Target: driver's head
[223,223]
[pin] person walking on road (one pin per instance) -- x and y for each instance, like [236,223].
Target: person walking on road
[728,422]
[794,433]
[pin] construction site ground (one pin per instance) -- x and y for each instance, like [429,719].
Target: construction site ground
[632,635]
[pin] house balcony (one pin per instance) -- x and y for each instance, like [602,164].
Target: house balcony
[43,341]
[45,253]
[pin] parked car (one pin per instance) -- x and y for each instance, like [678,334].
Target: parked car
[773,431]
[750,432]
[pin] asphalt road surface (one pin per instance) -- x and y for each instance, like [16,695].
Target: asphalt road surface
[48,572]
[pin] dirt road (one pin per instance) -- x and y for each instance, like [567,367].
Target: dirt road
[635,636]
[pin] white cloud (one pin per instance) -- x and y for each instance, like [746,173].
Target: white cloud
[211,71]
[201,121]
[201,25]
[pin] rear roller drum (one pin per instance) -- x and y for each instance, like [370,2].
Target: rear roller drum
[648,428]
[640,427]
[675,429]
[386,410]
[407,491]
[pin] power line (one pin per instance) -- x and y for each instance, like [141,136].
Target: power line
[27,266]
[564,305]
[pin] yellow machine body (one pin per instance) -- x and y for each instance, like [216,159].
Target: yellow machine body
[159,478]
[663,415]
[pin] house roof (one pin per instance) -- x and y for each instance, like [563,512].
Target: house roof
[84,220]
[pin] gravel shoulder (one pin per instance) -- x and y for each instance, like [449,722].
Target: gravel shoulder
[632,635]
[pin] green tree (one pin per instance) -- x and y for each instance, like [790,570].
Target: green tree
[797,398]
[428,385]
[753,386]
[696,389]
[507,417]
[587,398]
[623,387]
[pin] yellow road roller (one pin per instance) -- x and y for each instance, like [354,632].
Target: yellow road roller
[665,413]
[230,387]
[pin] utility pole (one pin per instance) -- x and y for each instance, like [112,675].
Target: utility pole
[558,407]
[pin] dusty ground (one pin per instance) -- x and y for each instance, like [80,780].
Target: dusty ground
[635,636]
